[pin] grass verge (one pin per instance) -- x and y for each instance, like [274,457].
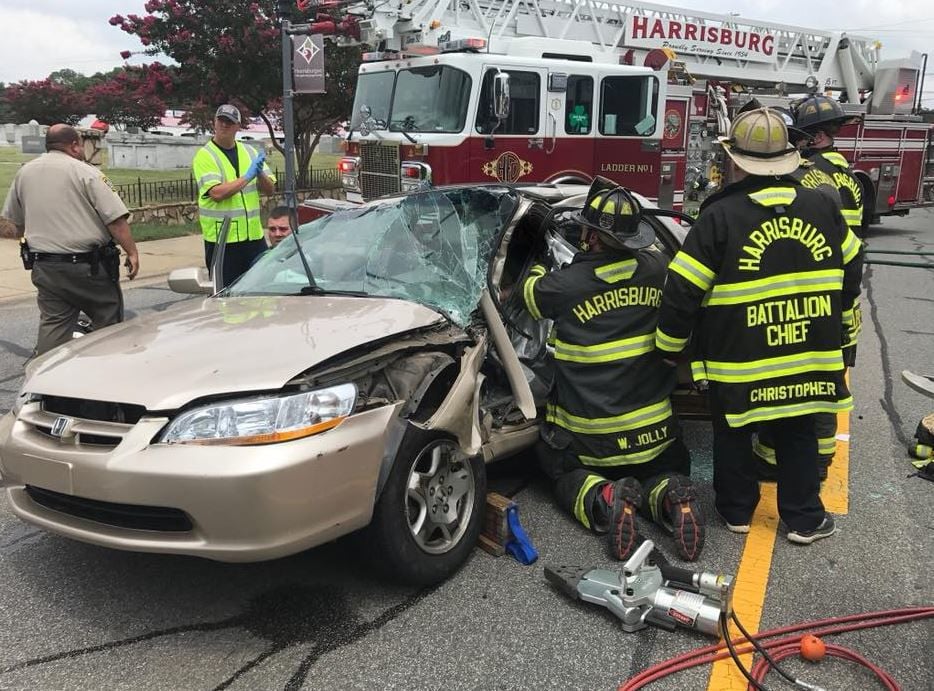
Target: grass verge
[152,231]
[11,159]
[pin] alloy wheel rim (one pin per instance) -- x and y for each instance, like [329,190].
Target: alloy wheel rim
[440,496]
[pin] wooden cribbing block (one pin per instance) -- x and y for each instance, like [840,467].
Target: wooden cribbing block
[495,533]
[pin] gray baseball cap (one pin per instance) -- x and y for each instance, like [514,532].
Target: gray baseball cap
[228,111]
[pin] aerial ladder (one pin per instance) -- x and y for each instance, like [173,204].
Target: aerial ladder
[803,59]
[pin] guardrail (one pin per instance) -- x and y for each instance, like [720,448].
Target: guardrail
[180,190]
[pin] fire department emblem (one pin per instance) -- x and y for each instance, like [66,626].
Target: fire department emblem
[507,167]
[308,50]
[672,124]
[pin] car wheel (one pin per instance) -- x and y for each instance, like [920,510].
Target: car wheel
[430,512]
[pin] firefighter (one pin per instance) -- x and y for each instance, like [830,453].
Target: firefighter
[760,284]
[816,121]
[807,175]
[611,444]
[821,118]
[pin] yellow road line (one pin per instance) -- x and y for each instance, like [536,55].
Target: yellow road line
[835,490]
[752,576]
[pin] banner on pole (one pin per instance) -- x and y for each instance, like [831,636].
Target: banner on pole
[308,64]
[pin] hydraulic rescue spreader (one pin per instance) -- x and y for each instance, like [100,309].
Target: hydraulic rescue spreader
[649,590]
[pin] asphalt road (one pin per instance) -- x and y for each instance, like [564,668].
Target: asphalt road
[81,617]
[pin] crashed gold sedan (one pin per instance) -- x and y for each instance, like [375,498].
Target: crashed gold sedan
[363,381]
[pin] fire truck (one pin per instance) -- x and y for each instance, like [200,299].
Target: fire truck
[458,91]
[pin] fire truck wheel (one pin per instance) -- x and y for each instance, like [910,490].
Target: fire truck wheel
[429,515]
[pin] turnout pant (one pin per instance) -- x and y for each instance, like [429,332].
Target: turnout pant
[64,290]
[735,478]
[238,257]
[825,425]
[577,486]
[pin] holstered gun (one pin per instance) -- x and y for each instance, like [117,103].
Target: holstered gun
[25,254]
[107,257]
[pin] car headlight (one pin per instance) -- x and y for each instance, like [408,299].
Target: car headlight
[263,420]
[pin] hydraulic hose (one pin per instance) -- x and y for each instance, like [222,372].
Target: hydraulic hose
[822,627]
[761,668]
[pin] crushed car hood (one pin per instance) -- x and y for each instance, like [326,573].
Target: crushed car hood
[218,346]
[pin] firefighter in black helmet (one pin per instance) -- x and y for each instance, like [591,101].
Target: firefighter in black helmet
[611,443]
[821,118]
[759,285]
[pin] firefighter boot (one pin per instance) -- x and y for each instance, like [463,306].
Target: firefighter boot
[680,514]
[624,497]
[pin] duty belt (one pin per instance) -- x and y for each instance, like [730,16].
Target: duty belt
[79,258]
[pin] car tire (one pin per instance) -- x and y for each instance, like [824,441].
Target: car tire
[430,513]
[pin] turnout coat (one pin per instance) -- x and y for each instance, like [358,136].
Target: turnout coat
[761,283]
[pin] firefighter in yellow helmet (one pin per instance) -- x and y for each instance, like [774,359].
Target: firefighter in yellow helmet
[759,285]
[611,444]
[817,119]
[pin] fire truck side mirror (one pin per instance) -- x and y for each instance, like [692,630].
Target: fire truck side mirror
[501,95]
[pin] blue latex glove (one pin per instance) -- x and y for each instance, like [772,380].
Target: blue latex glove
[256,167]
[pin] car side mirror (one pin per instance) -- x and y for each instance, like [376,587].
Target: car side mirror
[191,281]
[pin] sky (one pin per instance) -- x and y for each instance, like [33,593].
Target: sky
[40,36]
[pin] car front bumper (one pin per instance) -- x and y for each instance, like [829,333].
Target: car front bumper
[229,503]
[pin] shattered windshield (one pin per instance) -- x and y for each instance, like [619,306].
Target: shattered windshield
[432,247]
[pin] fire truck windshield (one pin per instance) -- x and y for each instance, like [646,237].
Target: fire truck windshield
[375,92]
[420,99]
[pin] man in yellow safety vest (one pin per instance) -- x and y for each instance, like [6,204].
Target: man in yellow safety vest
[230,176]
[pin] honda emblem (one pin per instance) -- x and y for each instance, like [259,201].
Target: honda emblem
[61,427]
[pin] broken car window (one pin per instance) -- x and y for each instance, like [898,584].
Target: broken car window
[431,247]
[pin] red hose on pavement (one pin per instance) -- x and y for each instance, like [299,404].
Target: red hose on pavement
[778,653]
[823,627]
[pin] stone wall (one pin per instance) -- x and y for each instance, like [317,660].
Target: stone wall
[178,214]
[12,134]
[151,151]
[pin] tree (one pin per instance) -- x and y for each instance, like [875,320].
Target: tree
[6,114]
[132,96]
[228,51]
[45,102]
[75,81]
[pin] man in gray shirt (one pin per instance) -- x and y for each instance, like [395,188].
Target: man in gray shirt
[70,217]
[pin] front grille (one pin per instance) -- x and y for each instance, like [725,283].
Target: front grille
[103,411]
[379,169]
[82,437]
[130,516]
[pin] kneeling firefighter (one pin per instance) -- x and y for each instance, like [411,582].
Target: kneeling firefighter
[611,444]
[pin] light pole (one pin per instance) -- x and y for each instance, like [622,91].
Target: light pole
[284,10]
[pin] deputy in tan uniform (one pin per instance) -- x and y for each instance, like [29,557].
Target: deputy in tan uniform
[70,217]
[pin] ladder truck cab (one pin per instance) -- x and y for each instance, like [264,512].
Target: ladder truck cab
[458,91]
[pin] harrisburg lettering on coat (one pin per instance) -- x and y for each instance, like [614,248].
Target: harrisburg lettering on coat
[782,228]
[608,300]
